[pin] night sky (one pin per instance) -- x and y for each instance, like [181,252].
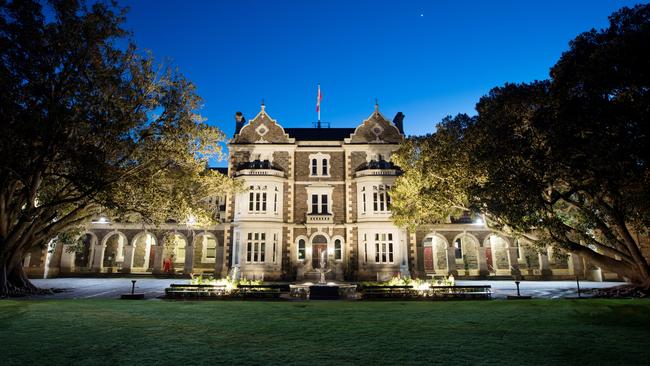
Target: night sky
[427,59]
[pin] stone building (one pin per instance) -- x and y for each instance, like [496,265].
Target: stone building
[314,197]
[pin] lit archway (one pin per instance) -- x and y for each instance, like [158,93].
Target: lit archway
[113,249]
[435,254]
[143,253]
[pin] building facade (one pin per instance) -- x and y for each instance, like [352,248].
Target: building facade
[314,197]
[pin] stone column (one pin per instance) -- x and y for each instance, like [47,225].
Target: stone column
[577,265]
[67,260]
[157,258]
[404,267]
[127,264]
[482,262]
[189,259]
[513,260]
[544,265]
[219,260]
[98,258]
[451,261]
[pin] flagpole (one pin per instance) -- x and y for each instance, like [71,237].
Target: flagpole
[318,106]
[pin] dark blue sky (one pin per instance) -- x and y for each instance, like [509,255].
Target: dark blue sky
[427,59]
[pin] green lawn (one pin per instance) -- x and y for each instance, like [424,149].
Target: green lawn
[113,332]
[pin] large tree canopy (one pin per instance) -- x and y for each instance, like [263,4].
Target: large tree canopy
[562,161]
[90,126]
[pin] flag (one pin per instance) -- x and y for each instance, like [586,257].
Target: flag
[319,97]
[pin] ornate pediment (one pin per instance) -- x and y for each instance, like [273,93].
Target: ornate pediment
[262,130]
[376,129]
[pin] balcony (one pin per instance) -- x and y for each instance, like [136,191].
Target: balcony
[377,172]
[320,218]
[259,168]
[378,168]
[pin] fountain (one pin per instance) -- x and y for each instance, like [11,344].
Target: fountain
[322,270]
[323,290]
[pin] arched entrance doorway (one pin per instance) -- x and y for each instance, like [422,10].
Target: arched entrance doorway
[319,251]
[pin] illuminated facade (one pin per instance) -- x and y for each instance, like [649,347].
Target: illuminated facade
[312,195]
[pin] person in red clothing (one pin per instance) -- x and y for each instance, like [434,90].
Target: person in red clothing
[167,264]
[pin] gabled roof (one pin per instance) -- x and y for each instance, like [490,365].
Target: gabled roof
[319,134]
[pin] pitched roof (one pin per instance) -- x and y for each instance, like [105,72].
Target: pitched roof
[319,134]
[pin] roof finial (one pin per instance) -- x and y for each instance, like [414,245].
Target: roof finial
[263,106]
[376,106]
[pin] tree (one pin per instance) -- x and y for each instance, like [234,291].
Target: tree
[563,161]
[89,128]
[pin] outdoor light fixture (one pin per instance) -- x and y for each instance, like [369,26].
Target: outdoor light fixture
[101,220]
[191,220]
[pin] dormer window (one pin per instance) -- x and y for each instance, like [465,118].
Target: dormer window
[320,165]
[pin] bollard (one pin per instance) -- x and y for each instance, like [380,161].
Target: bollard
[517,283]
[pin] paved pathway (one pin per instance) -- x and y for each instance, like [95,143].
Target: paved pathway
[111,288]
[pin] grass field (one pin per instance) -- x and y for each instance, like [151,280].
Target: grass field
[113,332]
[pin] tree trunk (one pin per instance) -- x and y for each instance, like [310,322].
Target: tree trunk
[13,280]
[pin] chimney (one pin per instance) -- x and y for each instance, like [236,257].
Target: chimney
[399,122]
[240,121]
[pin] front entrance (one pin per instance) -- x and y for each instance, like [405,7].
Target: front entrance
[318,253]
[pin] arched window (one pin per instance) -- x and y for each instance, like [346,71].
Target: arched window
[338,255]
[314,167]
[301,249]
[324,166]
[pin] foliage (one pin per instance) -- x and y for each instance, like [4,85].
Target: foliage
[230,283]
[89,128]
[560,162]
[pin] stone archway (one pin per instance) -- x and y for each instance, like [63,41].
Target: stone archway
[435,254]
[143,252]
[497,257]
[113,250]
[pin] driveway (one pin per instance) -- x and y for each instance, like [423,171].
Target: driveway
[112,288]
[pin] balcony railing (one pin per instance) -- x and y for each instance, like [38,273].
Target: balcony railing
[260,172]
[377,172]
[320,218]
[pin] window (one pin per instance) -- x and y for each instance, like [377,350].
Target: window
[458,249]
[257,199]
[384,248]
[301,249]
[209,248]
[255,247]
[319,201]
[363,198]
[517,248]
[380,198]
[338,255]
[314,203]
[320,165]
[314,166]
